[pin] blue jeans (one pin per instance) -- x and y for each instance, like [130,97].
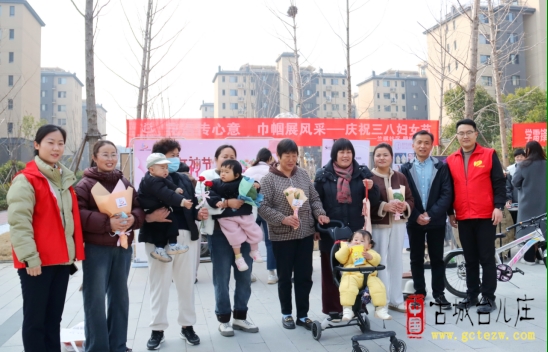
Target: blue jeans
[106,270]
[270,259]
[222,260]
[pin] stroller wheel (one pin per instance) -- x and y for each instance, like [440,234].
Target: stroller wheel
[402,346]
[359,348]
[316,330]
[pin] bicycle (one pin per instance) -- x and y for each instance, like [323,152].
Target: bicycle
[455,265]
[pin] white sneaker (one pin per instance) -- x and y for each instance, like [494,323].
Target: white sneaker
[244,325]
[241,264]
[382,313]
[226,329]
[399,308]
[523,261]
[253,277]
[256,256]
[348,314]
[272,279]
[176,249]
[161,255]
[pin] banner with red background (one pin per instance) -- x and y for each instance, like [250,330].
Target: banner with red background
[304,131]
[525,132]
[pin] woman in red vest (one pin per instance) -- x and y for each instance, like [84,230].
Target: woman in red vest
[46,237]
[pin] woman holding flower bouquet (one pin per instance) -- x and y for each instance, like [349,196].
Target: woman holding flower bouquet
[107,263]
[388,221]
[292,229]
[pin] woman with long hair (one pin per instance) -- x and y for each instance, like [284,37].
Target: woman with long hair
[46,237]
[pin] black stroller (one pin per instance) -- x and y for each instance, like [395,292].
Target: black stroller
[339,232]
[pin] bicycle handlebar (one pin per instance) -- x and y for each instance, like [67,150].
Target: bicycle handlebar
[531,221]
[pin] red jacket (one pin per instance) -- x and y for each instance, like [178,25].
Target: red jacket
[476,193]
[49,233]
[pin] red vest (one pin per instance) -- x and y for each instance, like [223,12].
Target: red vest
[49,233]
[474,198]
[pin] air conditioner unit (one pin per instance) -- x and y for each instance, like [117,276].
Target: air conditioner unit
[241,98]
[327,87]
[393,100]
[241,112]
[329,113]
[393,114]
[393,89]
[240,85]
[328,99]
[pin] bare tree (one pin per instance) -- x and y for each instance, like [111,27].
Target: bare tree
[473,62]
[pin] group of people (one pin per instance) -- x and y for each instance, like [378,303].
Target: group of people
[53,225]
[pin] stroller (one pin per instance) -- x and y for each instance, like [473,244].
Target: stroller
[342,233]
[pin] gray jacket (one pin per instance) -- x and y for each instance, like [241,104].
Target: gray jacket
[531,180]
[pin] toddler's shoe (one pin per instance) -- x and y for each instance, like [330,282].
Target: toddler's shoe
[382,313]
[256,256]
[161,255]
[240,263]
[348,314]
[176,249]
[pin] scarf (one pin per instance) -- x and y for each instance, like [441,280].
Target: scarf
[343,183]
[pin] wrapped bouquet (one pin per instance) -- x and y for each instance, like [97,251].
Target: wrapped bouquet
[397,195]
[248,192]
[296,199]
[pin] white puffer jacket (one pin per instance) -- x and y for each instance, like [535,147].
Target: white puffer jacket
[258,171]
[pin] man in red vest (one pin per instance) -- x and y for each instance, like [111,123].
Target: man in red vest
[478,203]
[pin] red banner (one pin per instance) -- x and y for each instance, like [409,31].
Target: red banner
[304,131]
[525,132]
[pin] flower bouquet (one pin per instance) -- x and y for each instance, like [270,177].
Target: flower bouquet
[296,199]
[397,195]
[248,193]
[206,226]
[115,203]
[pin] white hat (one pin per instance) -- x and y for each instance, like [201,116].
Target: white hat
[156,159]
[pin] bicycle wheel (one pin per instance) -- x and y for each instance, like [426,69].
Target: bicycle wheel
[455,273]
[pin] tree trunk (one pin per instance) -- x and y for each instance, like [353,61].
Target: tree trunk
[297,73]
[349,85]
[93,134]
[443,61]
[147,74]
[497,81]
[144,62]
[473,71]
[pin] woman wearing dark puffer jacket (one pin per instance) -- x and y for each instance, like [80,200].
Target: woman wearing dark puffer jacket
[107,266]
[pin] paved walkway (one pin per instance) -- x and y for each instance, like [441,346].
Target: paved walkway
[265,312]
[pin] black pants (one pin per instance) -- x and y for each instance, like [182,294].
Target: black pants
[163,233]
[435,239]
[43,304]
[477,237]
[294,256]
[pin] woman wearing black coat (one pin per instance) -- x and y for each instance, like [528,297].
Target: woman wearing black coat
[340,184]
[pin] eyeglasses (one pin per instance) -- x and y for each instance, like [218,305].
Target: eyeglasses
[467,133]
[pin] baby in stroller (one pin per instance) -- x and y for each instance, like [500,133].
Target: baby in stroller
[358,251]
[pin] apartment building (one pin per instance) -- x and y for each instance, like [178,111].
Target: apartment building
[521,39]
[393,94]
[20,40]
[101,126]
[207,109]
[268,91]
[61,104]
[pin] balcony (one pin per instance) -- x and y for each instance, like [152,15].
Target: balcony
[240,86]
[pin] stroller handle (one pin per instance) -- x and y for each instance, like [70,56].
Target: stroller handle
[363,270]
[337,223]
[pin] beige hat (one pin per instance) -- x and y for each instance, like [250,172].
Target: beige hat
[156,159]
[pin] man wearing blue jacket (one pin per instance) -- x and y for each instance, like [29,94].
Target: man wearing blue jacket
[432,188]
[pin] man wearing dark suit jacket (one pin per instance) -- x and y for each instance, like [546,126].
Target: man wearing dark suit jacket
[432,188]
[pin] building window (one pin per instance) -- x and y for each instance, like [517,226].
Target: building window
[387,108]
[334,94]
[386,83]
[483,18]
[334,81]
[224,106]
[43,94]
[378,108]
[343,82]
[485,59]
[308,106]
[324,107]
[252,79]
[61,80]
[252,92]
[44,107]
[403,84]
[233,106]
[10,55]
[264,78]
[344,94]
[403,108]
[10,80]
[378,95]
[10,104]
[324,94]
[10,127]
[514,59]
[403,96]
[61,94]
[12,34]
[510,17]
[12,11]
[448,48]
[487,80]
[265,91]
[414,95]
[245,79]
[61,122]
[378,83]
[515,80]
[61,108]
[396,108]
[484,39]
[317,93]
[323,81]
[413,83]
[44,80]
[308,92]
[454,25]
[223,78]
[233,79]
[449,68]
[233,92]
[513,38]
[386,95]
[415,107]
[455,45]
[223,92]
[456,65]
[396,95]
[344,107]
[335,107]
